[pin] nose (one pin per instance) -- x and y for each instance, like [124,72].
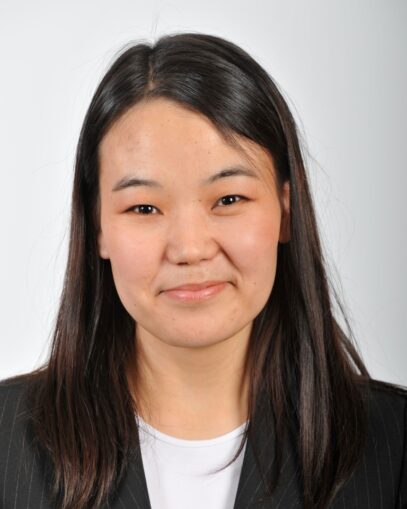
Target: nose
[190,238]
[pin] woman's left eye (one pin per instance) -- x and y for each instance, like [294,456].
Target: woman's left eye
[232,196]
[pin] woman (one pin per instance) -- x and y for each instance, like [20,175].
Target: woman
[196,313]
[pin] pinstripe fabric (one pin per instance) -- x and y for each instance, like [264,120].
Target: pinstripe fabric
[379,481]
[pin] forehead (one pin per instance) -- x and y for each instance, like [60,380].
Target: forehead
[159,135]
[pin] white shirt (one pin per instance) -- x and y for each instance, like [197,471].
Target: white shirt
[178,471]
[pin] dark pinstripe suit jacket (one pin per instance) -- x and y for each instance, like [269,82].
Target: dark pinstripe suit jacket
[379,481]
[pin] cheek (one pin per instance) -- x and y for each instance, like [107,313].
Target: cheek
[133,263]
[253,251]
[255,246]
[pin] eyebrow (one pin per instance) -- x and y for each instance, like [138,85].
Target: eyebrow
[231,171]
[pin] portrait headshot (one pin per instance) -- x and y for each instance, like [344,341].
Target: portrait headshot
[189,318]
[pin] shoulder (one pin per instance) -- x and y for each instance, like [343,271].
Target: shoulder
[21,465]
[387,408]
[381,475]
[12,402]
[14,413]
[386,427]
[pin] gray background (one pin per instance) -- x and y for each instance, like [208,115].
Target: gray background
[343,68]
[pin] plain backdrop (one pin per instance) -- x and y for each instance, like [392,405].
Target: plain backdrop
[342,66]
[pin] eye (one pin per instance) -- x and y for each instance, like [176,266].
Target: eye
[229,196]
[142,207]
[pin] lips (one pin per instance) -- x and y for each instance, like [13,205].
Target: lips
[201,292]
[196,286]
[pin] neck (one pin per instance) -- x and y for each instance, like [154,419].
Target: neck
[191,393]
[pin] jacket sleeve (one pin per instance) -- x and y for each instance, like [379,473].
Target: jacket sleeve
[402,493]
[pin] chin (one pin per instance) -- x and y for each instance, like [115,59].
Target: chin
[193,343]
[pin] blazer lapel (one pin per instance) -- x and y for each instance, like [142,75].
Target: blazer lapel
[133,490]
[252,487]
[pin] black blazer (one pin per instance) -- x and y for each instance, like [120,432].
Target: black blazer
[379,481]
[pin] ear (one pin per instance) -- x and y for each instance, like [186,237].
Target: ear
[285,216]
[101,246]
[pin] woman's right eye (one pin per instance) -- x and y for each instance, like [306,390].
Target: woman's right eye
[143,209]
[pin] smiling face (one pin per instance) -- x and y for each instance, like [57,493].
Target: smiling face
[187,227]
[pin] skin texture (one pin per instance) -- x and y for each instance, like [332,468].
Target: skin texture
[190,369]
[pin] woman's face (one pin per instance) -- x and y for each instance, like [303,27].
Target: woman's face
[182,229]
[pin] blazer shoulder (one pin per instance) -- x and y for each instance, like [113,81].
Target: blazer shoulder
[13,407]
[387,438]
[387,406]
[22,474]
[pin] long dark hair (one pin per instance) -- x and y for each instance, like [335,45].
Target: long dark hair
[83,411]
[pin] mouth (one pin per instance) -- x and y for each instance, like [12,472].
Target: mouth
[200,293]
[196,286]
